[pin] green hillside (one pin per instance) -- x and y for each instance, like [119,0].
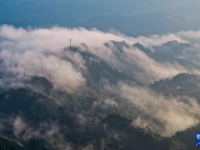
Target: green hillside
[182,84]
[7,144]
[97,116]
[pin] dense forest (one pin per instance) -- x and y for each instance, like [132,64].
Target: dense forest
[39,116]
[99,74]
[7,144]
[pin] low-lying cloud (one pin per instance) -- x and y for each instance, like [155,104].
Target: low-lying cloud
[40,52]
[57,37]
[61,73]
[49,132]
[170,114]
[133,61]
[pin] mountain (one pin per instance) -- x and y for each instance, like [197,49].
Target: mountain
[182,84]
[99,68]
[162,55]
[44,120]
[129,137]
[186,137]
[113,109]
[128,81]
[180,50]
[174,48]
[114,131]
[8,144]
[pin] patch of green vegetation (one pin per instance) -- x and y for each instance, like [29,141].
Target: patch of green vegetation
[8,144]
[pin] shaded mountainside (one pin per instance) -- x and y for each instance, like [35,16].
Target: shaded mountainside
[7,144]
[187,137]
[182,84]
[113,132]
[165,56]
[129,137]
[33,106]
[173,48]
[99,69]
[117,132]
[44,118]
[176,49]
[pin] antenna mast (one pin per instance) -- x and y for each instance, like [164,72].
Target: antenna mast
[70,42]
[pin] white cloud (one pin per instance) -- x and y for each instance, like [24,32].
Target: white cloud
[110,102]
[135,62]
[172,113]
[49,132]
[57,37]
[61,73]
[40,52]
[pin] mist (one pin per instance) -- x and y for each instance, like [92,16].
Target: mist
[40,52]
[131,60]
[44,52]
[170,114]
